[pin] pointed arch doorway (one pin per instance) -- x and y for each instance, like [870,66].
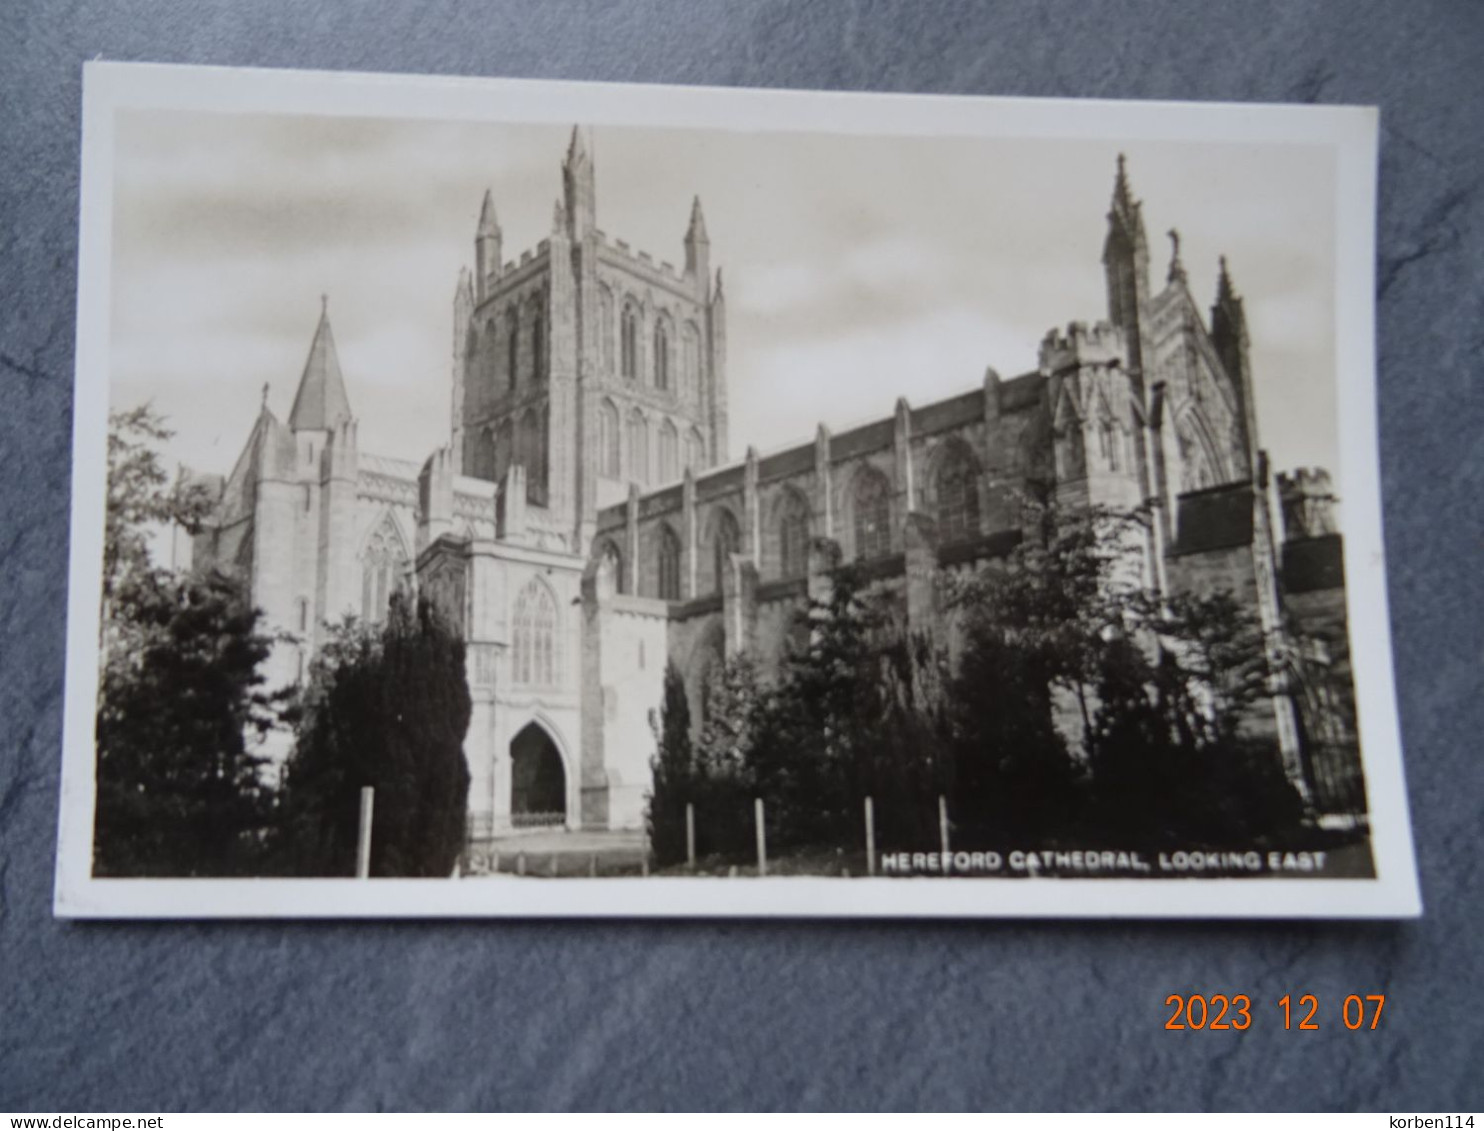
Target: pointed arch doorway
[538,780]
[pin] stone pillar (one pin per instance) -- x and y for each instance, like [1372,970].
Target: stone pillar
[592,756]
[824,497]
[338,582]
[739,605]
[510,506]
[751,524]
[921,545]
[689,534]
[435,499]
[902,483]
[631,540]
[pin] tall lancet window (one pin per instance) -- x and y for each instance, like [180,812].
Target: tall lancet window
[669,565]
[726,540]
[512,348]
[629,342]
[661,355]
[793,536]
[638,447]
[605,324]
[872,525]
[958,496]
[534,656]
[669,452]
[608,440]
[538,348]
[690,359]
[384,567]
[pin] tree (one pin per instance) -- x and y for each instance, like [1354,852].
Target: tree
[180,695]
[180,793]
[388,709]
[672,771]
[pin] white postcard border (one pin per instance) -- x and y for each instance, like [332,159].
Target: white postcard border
[1351,131]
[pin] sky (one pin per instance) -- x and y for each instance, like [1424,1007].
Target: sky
[857,269]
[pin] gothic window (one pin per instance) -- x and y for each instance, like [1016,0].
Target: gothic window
[629,342]
[383,567]
[533,455]
[605,325]
[695,451]
[669,452]
[958,496]
[690,357]
[872,515]
[512,347]
[669,565]
[726,539]
[610,571]
[538,348]
[638,447]
[793,537]
[608,440]
[535,646]
[504,450]
[484,456]
[661,354]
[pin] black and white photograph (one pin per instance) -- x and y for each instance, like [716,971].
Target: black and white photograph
[503,498]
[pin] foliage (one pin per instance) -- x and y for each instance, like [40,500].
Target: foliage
[140,494]
[386,708]
[672,771]
[179,791]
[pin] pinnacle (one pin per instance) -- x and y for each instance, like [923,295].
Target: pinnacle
[489,224]
[697,230]
[1125,207]
[321,402]
[577,148]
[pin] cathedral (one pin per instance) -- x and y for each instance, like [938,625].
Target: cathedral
[586,524]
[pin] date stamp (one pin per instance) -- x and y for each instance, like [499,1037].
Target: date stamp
[1304,1013]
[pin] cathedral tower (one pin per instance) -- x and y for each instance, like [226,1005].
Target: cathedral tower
[1126,266]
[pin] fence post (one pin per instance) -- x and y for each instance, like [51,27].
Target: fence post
[690,835]
[943,827]
[363,834]
[870,838]
[762,837]
[592,864]
[644,863]
[520,863]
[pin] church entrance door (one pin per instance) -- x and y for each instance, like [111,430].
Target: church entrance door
[538,784]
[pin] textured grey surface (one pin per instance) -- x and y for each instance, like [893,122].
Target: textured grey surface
[867,1015]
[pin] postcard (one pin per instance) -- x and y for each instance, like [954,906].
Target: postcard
[510,498]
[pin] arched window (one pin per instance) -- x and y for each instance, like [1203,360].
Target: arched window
[610,571]
[661,354]
[512,347]
[958,496]
[491,350]
[605,325]
[695,451]
[538,347]
[383,568]
[690,358]
[629,342]
[669,452]
[669,565]
[726,539]
[535,646]
[608,440]
[1108,444]
[872,515]
[533,456]
[793,536]
[638,447]
[484,455]
[504,450]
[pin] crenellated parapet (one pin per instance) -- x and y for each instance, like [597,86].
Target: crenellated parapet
[1082,344]
[1307,498]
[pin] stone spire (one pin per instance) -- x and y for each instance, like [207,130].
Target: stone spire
[579,184]
[1176,273]
[487,248]
[320,403]
[489,224]
[697,247]
[1126,267]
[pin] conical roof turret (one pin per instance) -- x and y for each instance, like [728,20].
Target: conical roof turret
[321,402]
